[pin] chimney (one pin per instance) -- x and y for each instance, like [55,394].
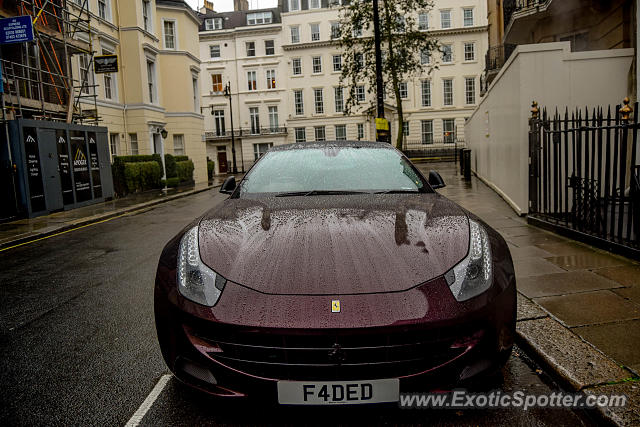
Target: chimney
[207,7]
[239,5]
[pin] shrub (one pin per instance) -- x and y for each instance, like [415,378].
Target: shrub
[141,176]
[211,167]
[117,169]
[185,171]
[173,182]
[181,158]
[170,165]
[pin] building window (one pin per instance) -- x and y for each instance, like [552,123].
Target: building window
[447,53]
[405,128]
[357,32]
[196,95]
[104,9]
[320,134]
[315,32]
[86,73]
[339,95]
[301,135]
[260,149]
[297,66]
[114,142]
[468,17]
[295,34]
[257,18]
[469,51]
[337,62]
[254,119]
[404,90]
[317,64]
[146,15]
[427,131]
[423,21]
[448,130]
[133,143]
[169,29]
[251,48]
[213,24]
[361,95]
[271,79]
[178,145]
[319,101]
[360,131]
[447,91]
[335,30]
[359,60]
[214,51]
[314,4]
[252,82]
[151,80]
[426,93]
[273,119]
[110,89]
[470,90]
[425,57]
[216,80]
[341,132]
[445,19]
[294,5]
[269,47]
[298,101]
[218,119]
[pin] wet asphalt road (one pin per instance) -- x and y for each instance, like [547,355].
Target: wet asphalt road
[78,343]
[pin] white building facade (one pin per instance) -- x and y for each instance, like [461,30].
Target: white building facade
[284,67]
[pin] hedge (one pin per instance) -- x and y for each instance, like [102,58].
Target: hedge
[185,171]
[171,182]
[181,158]
[211,167]
[142,176]
[118,166]
[170,165]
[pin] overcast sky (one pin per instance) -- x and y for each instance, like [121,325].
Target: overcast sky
[227,5]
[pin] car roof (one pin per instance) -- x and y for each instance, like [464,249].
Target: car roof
[332,144]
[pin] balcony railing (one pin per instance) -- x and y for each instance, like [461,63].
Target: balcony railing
[497,56]
[510,7]
[246,132]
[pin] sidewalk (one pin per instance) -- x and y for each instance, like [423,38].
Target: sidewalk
[578,307]
[16,232]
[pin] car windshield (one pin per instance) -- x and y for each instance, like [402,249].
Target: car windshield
[322,170]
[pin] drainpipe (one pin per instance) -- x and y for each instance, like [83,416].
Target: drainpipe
[124,86]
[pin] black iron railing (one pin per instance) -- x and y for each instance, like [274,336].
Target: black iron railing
[510,7]
[497,56]
[584,177]
[441,149]
[246,132]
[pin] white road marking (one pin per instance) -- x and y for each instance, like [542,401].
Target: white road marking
[148,402]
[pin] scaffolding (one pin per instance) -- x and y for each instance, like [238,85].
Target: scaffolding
[39,81]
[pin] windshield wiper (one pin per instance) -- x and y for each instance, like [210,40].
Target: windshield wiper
[398,192]
[319,193]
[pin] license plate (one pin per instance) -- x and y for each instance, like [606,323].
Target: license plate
[338,392]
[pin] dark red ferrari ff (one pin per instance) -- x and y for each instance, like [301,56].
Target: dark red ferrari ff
[334,274]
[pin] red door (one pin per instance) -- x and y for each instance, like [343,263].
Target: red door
[222,162]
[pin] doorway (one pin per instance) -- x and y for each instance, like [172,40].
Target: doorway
[223,167]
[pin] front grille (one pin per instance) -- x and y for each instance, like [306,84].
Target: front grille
[332,354]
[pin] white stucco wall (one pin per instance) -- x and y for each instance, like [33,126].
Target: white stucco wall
[552,75]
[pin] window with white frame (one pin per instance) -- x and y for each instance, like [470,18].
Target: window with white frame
[337,62]
[213,24]
[261,149]
[273,118]
[447,91]
[339,97]
[301,134]
[335,30]
[178,144]
[445,19]
[426,93]
[318,100]
[294,5]
[133,144]
[298,101]
[196,95]
[405,128]
[470,90]
[297,66]
[359,59]
[251,48]
[218,120]
[269,47]
[423,21]
[216,83]
[252,80]
[404,90]
[361,95]
[86,73]
[320,133]
[425,57]
[104,9]
[315,32]
[214,51]
[470,51]
[295,34]
[427,131]
[341,132]
[447,53]
[317,64]
[169,30]
[151,81]
[146,15]
[467,14]
[254,120]
[314,4]
[114,143]
[448,130]
[258,18]
[360,131]
[357,32]
[271,79]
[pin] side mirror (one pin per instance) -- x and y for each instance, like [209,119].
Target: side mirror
[435,180]
[229,185]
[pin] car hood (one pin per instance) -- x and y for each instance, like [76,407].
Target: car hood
[334,245]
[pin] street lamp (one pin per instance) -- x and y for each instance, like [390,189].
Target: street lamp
[227,93]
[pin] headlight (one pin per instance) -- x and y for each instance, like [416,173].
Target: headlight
[474,274]
[196,281]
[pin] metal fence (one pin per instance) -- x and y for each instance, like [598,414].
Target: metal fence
[441,150]
[584,176]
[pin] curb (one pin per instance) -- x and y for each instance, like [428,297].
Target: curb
[103,217]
